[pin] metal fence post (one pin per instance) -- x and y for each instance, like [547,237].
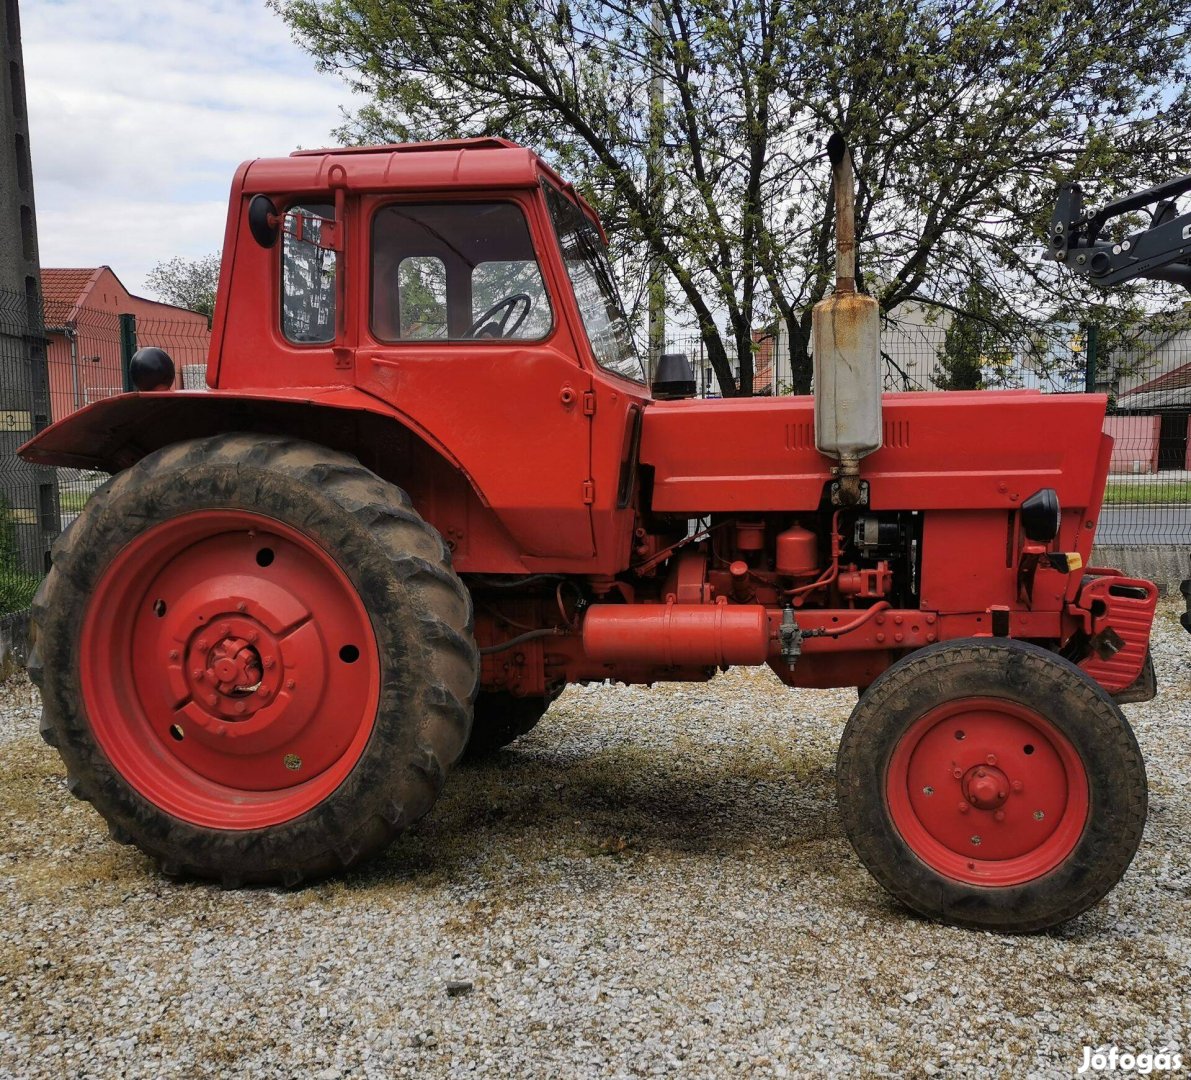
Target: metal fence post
[1089,377]
[127,348]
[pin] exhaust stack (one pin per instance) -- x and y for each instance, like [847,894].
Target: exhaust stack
[847,348]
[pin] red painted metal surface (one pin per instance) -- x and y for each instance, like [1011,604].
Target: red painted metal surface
[987,791]
[229,670]
[1119,615]
[675,635]
[943,450]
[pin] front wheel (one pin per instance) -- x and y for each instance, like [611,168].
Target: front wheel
[991,784]
[255,659]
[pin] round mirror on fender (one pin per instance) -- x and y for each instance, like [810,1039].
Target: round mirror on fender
[151,369]
[1041,515]
[263,220]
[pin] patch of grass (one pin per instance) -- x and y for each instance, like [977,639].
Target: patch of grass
[16,590]
[1141,492]
[72,501]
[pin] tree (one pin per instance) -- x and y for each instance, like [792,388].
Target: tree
[188,283]
[962,115]
[972,342]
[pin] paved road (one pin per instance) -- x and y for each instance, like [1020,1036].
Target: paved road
[1145,525]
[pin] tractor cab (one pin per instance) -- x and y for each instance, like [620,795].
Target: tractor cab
[467,287]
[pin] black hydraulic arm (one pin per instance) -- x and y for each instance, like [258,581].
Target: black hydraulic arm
[1161,251]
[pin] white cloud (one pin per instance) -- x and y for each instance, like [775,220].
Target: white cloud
[141,111]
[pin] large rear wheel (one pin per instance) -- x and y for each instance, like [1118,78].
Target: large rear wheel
[991,784]
[255,659]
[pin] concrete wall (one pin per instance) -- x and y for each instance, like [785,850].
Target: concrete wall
[1135,449]
[1164,564]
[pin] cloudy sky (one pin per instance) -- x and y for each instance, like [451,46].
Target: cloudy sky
[140,112]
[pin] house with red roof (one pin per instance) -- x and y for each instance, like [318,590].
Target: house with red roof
[82,325]
[1164,402]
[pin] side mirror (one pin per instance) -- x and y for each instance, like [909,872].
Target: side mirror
[263,220]
[674,377]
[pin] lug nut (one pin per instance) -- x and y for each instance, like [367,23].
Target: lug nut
[1017,785]
[173,654]
[928,790]
[290,684]
[213,699]
[198,674]
[963,807]
[991,759]
[999,815]
[976,840]
[957,773]
[201,643]
[225,628]
[240,706]
[1038,815]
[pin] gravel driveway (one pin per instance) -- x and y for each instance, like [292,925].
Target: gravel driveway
[654,882]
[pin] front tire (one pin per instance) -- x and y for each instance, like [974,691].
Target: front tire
[991,784]
[255,659]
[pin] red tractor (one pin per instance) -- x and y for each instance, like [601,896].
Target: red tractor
[428,488]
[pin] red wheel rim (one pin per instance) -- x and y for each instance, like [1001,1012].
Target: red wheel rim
[987,791]
[229,670]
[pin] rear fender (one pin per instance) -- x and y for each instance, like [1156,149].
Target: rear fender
[116,432]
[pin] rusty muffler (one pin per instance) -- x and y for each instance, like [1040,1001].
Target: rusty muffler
[847,348]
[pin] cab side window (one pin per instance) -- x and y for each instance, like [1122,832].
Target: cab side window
[456,272]
[307,276]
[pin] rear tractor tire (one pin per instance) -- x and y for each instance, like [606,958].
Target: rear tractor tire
[991,784]
[255,659]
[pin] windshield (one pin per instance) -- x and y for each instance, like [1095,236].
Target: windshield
[595,290]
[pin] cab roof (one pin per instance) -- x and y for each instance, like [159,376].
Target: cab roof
[453,164]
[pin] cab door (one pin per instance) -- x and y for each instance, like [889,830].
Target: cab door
[463,334]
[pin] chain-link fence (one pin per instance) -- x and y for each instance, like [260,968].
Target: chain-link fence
[86,357]
[1147,380]
[28,494]
[56,358]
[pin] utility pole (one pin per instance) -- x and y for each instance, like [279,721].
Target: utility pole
[29,492]
[655,188]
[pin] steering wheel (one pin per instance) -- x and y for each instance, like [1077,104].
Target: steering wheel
[508,305]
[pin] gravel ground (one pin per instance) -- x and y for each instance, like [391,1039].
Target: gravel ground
[653,882]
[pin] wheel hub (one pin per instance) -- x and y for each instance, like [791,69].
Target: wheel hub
[236,665]
[230,668]
[985,786]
